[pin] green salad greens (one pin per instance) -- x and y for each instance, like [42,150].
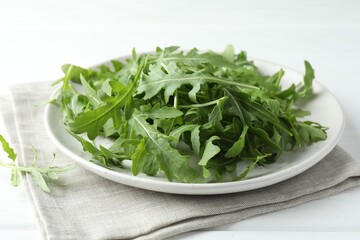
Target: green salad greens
[193,116]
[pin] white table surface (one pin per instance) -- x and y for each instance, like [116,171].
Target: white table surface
[36,37]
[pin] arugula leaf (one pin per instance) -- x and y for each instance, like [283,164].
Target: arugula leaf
[163,112]
[229,53]
[308,78]
[143,160]
[195,140]
[39,180]
[238,146]
[15,178]
[7,148]
[209,151]
[37,173]
[310,132]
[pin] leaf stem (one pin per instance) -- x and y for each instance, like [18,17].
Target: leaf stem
[176,100]
[203,104]
[23,169]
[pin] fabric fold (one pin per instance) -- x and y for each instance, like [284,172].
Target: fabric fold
[83,205]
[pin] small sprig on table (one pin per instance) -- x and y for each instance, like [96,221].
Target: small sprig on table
[39,174]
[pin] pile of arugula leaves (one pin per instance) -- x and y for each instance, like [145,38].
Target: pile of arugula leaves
[161,108]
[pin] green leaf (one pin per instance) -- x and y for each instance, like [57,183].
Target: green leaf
[52,175]
[310,132]
[229,53]
[215,115]
[238,146]
[195,140]
[263,135]
[15,177]
[157,79]
[308,78]
[73,72]
[177,132]
[164,112]
[90,92]
[236,105]
[7,148]
[143,160]
[250,167]
[138,159]
[210,151]
[39,180]
[274,106]
[205,172]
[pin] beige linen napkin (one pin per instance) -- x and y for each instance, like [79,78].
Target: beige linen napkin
[83,205]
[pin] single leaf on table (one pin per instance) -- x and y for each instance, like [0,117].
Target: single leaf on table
[36,172]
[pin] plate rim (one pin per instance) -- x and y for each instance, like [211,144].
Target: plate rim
[200,188]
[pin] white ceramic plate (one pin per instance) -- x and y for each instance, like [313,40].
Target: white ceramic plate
[324,108]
